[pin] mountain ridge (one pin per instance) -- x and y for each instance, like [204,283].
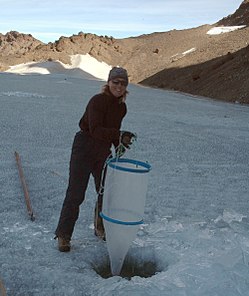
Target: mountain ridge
[189,60]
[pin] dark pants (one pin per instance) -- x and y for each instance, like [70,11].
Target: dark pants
[87,158]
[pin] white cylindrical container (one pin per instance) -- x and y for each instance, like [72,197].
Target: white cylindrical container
[123,206]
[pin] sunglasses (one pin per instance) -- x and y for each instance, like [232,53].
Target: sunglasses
[121,82]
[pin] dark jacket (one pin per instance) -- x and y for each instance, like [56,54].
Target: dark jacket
[102,119]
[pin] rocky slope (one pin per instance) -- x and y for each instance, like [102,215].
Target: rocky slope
[190,61]
[240,17]
[219,68]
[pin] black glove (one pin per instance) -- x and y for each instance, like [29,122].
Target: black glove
[127,138]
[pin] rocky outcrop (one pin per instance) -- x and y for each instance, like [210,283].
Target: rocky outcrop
[239,18]
[17,43]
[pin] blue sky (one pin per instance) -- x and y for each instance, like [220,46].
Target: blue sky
[47,20]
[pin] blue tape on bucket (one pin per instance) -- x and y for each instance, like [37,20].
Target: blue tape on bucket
[142,167]
[119,221]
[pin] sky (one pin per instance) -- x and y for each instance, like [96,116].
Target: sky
[49,20]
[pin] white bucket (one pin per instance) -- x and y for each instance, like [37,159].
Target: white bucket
[123,206]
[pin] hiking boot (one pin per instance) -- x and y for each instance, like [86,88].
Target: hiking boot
[99,229]
[64,244]
[100,233]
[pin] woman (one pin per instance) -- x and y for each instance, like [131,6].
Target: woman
[99,129]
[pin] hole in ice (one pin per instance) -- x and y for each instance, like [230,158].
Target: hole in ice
[143,265]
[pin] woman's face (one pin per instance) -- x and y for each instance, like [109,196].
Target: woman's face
[117,87]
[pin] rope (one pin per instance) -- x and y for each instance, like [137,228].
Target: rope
[101,187]
[119,152]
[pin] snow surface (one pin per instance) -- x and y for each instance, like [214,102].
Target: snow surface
[189,51]
[84,66]
[224,29]
[196,227]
